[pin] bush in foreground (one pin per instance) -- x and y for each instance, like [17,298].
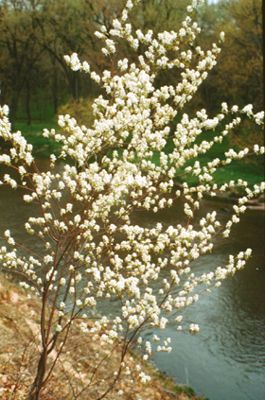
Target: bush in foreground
[90,250]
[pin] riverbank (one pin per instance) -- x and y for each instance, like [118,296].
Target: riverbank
[250,170]
[19,332]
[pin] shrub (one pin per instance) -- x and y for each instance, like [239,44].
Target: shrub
[81,110]
[91,250]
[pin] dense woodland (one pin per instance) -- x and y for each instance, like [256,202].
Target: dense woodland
[35,35]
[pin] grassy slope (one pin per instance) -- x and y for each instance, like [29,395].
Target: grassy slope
[42,147]
[252,171]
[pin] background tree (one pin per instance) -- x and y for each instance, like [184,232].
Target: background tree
[241,59]
[20,51]
[35,35]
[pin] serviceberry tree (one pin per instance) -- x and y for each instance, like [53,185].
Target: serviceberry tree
[91,250]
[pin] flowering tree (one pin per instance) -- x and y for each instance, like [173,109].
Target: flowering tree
[90,248]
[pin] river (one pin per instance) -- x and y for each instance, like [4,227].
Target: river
[226,360]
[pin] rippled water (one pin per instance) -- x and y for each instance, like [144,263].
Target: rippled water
[226,360]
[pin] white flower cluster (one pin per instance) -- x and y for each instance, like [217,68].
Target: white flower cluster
[91,248]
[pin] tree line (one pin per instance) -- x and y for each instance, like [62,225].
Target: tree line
[36,34]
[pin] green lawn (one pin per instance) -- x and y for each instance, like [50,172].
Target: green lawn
[252,171]
[33,133]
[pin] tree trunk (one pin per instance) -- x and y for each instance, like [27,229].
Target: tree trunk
[38,381]
[263,47]
[28,96]
[55,86]
[14,106]
[73,84]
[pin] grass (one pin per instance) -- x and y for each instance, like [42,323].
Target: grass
[251,171]
[173,388]
[42,147]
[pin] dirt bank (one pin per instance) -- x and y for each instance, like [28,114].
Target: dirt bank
[19,347]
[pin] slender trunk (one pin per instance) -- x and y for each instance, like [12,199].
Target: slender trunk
[14,106]
[28,96]
[73,84]
[77,87]
[55,87]
[37,384]
[4,93]
[263,51]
